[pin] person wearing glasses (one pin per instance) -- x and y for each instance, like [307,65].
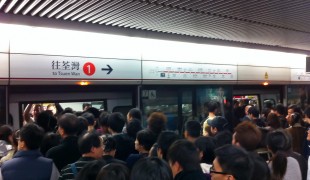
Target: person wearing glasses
[231,163]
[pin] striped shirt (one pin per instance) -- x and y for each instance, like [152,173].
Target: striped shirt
[67,173]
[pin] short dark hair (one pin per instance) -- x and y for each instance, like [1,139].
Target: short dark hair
[32,135]
[87,141]
[69,123]
[94,111]
[185,153]
[116,122]
[248,135]
[113,171]
[280,109]
[273,121]
[5,132]
[150,169]
[222,138]
[146,139]
[89,117]
[254,111]
[193,128]
[307,112]
[135,113]
[279,140]
[212,106]
[91,170]
[109,144]
[103,118]
[235,161]
[133,128]
[164,140]
[207,146]
[47,121]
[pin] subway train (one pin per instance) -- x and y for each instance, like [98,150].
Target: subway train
[115,73]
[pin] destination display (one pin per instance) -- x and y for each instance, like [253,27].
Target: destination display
[299,75]
[59,67]
[187,71]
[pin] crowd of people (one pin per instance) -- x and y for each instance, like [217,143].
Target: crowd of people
[93,145]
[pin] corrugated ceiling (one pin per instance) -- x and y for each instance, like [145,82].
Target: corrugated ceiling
[280,23]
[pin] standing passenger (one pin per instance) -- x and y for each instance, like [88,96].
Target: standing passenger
[68,151]
[212,108]
[28,163]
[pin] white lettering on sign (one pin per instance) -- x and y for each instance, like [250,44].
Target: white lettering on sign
[188,71]
[40,66]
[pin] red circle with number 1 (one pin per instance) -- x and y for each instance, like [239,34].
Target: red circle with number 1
[89,68]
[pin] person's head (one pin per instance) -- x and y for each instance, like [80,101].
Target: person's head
[183,156]
[206,147]
[113,171]
[68,124]
[273,121]
[133,127]
[30,137]
[212,106]
[90,118]
[83,124]
[94,111]
[49,140]
[134,113]
[294,118]
[291,109]
[47,121]
[116,122]
[91,145]
[280,110]
[51,108]
[90,170]
[222,138]
[157,122]
[85,106]
[6,134]
[145,140]
[109,146]
[231,163]
[164,140]
[247,135]
[192,130]
[151,168]
[217,124]
[253,112]
[246,109]
[278,142]
[265,112]
[103,121]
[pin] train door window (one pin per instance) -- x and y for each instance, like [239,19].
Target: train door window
[220,94]
[187,108]
[164,100]
[3,107]
[299,95]
[245,100]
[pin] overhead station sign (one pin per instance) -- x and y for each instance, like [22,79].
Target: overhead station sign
[187,71]
[23,66]
[299,75]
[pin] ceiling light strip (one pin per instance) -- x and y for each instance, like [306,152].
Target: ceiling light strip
[31,6]
[51,8]
[9,7]
[68,3]
[20,6]
[80,9]
[89,10]
[70,9]
[2,3]
[41,7]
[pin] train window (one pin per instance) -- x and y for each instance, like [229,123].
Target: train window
[299,95]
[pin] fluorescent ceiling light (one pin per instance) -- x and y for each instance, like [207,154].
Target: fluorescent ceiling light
[10,6]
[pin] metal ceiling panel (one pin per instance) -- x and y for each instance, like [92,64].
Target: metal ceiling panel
[273,23]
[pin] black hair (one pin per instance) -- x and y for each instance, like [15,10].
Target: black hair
[82,128]
[94,111]
[212,106]
[164,140]
[222,138]
[69,122]
[90,170]
[235,161]
[103,118]
[151,168]
[32,135]
[280,109]
[87,141]
[157,122]
[185,153]
[207,146]
[113,171]
[89,117]
[278,142]
[295,118]
[252,110]
[273,121]
[135,113]
[146,139]
[109,144]
[133,127]
[193,128]
[5,132]
[116,122]
[49,140]
[47,121]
